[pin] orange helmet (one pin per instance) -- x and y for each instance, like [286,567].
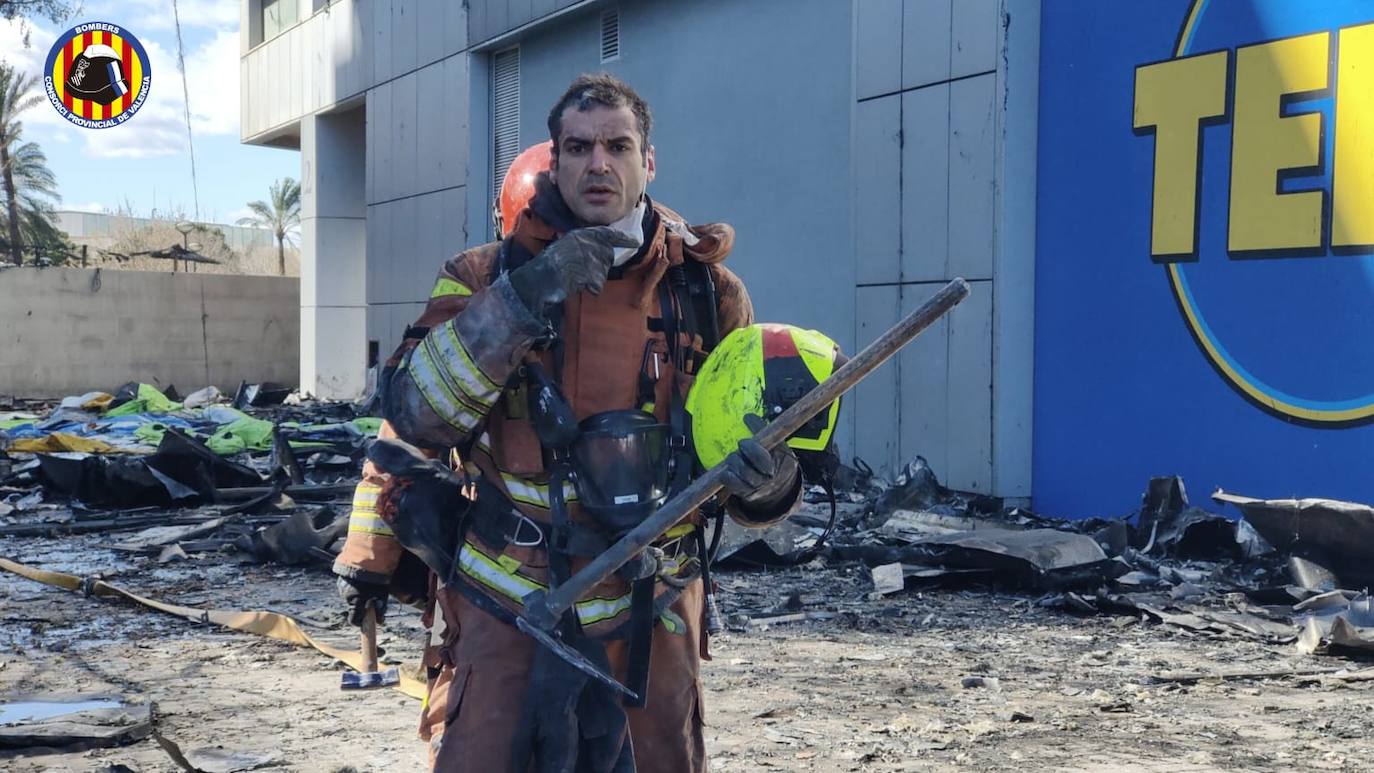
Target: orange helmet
[518,186]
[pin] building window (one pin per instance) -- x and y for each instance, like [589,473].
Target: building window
[278,16]
[505,115]
[610,36]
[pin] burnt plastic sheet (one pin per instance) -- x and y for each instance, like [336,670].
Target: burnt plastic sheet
[111,481]
[1038,557]
[1336,622]
[303,536]
[183,471]
[1337,536]
[190,462]
[1168,526]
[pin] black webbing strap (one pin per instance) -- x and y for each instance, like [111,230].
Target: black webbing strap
[642,620]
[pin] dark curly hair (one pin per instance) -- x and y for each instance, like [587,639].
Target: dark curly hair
[604,90]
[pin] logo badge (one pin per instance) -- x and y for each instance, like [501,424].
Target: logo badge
[97,75]
[1263,198]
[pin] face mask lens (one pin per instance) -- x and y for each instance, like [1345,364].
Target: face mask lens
[621,470]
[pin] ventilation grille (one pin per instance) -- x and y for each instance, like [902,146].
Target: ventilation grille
[505,115]
[610,36]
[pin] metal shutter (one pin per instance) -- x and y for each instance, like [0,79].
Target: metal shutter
[505,114]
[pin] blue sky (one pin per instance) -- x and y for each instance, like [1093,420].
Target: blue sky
[145,161]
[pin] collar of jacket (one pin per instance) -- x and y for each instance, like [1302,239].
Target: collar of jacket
[668,238]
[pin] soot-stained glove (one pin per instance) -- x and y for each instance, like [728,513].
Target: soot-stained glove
[359,596]
[424,503]
[577,261]
[756,475]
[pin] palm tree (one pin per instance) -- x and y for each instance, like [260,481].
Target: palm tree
[282,216]
[15,98]
[34,185]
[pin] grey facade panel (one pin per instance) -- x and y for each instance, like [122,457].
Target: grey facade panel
[455,27]
[872,405]
[452,158]
[877,47]
[429,35]
[970,392]
[877,189]
[382,41]
[432,130]
[976,30]
[404,112]
[972,163]
[925,41]
[539,8]
[405,35]
[922,417]
[925,199]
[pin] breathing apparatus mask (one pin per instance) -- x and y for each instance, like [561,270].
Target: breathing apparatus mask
[619,459]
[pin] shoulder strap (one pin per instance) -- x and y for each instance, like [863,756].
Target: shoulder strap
[701,288]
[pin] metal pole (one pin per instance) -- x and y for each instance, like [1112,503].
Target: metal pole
[543,609]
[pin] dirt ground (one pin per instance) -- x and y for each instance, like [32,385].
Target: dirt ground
[930,680]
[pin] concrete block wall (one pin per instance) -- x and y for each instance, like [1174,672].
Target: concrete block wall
[68,331]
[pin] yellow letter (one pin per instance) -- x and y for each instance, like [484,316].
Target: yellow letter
[1352,197]
[1172,98]
[1263,144]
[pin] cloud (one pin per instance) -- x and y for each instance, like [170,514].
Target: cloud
[212,71]
[159,128]
[156,15]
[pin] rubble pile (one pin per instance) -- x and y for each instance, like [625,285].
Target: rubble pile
[1286,572]
[263,472]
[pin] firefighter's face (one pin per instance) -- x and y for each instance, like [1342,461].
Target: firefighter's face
[600,165]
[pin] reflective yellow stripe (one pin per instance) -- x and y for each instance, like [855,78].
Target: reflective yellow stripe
[458,379]
[369,524]
[446,286]
[597,610]
[536,494]
[437,394]
[515,587]
[447,342]
[365,496]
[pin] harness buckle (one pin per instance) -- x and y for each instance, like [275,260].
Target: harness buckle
[523,522]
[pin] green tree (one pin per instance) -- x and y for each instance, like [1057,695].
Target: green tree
[53,10]
[29,185]
[281,214]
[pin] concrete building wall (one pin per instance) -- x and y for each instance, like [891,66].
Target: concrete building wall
[68,331]
[755,136]
[374,94]
[865,157]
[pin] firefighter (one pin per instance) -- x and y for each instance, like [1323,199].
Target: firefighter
[552,369]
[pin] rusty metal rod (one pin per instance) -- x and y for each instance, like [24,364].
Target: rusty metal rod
[543,609]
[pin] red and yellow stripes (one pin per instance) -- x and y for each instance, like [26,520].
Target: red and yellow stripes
[132,67]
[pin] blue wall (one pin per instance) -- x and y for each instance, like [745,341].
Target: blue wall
[1123,388]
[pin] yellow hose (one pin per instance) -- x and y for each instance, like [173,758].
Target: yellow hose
[270,624]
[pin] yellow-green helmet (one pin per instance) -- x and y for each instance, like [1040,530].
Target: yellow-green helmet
[761,369]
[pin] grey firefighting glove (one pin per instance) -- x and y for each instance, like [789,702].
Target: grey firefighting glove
[577,261]
[359,595]
[756,475]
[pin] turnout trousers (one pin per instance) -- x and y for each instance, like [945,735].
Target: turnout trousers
[477,700]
